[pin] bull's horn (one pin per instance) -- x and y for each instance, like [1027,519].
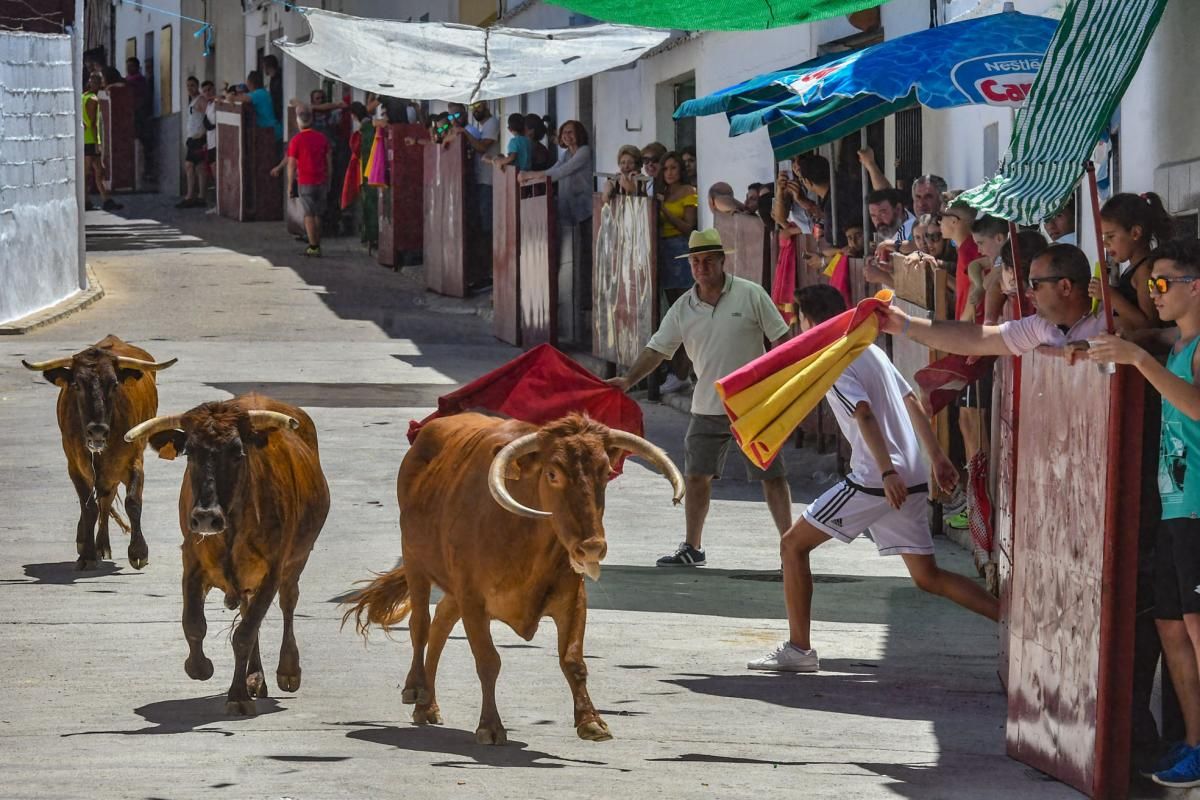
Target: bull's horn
[513,450]
[43,366]
[153,426]
[652,453]
[124,362]
[269,420]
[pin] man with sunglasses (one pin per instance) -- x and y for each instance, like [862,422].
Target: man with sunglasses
[1058,287]
[1175,287]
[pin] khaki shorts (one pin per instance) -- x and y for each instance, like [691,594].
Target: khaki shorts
[312,199]
[707,443]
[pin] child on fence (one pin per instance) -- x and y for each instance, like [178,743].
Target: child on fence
[1175,285]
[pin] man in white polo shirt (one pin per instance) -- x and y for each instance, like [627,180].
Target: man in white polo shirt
[1058,286]
[722,322]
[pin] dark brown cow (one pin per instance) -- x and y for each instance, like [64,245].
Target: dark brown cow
[251,506]
[496,557]
[104,391]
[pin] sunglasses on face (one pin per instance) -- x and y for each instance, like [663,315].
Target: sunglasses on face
[1161,284]
[442,128]
[931,237]
[454,116]
[1034,283]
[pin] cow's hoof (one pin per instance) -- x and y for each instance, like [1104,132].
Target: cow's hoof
[495,735]
[415,695]
[104,551]
[198,669]
[427,715]
[240,708]
[84,564]
[288,683]
[138,563]
[594,730]
[256,684]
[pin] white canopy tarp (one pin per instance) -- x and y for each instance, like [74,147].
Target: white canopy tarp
[446,61]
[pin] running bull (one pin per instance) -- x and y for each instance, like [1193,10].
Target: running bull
[252,503]
[104,391]
[506,559]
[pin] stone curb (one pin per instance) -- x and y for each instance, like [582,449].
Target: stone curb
[61,310]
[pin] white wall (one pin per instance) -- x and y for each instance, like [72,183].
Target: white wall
[1160,115]
[39,207]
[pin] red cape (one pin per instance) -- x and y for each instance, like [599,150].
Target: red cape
[539,386]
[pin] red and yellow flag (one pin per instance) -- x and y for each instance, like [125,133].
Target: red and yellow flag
[770,396]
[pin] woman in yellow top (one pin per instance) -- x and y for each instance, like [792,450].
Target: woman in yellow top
[92,159]
[677,213]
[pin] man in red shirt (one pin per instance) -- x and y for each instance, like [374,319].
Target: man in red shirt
[309,165]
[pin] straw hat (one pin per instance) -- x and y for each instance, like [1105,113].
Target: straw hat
[706,241]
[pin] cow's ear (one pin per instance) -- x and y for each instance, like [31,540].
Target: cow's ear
[168,444]
[614,455]
[129,374]
[59,376]
[521,467]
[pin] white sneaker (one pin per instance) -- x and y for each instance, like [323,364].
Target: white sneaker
[787,658]
[673,384]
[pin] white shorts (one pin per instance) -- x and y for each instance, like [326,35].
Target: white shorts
[846,510]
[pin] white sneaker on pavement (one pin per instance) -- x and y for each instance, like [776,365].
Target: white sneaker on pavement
[673,384]
[787,658]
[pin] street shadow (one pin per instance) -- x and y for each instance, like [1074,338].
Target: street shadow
[140,235]
[450,741]
[186,716]
[63,573]
[344,395]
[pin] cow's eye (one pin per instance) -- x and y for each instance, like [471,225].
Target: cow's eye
[552,475]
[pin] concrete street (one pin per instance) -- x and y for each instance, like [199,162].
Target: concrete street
[94,701]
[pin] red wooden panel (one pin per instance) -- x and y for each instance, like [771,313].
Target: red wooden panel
[266,190]
[506,256]
[624,277]
[401,205]
[751,244]
[116,138]
[231,198]
[1073,574]
[445,222]
[538,281]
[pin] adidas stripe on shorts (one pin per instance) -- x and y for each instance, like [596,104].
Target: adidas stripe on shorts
[846,510]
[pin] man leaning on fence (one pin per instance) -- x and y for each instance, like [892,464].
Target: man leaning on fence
[721,321]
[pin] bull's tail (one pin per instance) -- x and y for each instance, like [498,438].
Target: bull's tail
[384,602]
[117,518]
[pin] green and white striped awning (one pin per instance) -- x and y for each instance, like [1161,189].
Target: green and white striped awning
[1092,57]
[715,15]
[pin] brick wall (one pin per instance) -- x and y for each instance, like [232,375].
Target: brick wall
[39,213]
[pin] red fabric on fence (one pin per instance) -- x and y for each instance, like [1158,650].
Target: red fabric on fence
[539,386]
[944,380]
[353,180]
[783,286]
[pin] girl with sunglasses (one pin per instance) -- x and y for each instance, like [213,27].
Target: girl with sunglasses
[1131,226]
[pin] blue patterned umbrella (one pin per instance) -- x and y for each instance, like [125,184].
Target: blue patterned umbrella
[991,60]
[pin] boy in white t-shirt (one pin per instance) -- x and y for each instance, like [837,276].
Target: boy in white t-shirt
[886,490]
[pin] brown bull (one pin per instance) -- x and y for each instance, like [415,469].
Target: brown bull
[496,557]
[251,506]
[104,391]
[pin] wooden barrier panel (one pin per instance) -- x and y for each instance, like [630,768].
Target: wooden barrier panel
[1074,565]
[447,227]
[246,190]
[751,243]
[231,147]
[293,211]
[624,277]
[401,205]
[1006,404]
[538,281]
[506,256]
[117,138]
